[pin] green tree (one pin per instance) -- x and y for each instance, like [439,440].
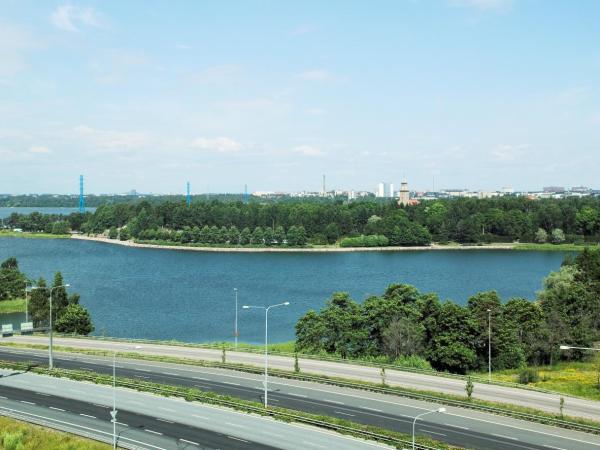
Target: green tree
[113,233]
[39,305]
[61,227]
[245,236]
[403,337]
[258,236]
[588,220]
[74,319]
[124,234]
[12,281]
[279,235]
[268,236]
[233,235]
[557,236]
[541,236]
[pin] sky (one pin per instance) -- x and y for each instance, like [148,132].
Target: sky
[146,95]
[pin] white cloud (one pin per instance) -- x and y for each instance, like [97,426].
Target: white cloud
[39,149]
[111,140]
[308,150]
[315,75]
[303,29]
[218,144]
[483,4]
[216,74]
[509,152]
[14,41]
[72,18]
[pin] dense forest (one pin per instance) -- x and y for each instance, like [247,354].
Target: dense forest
[69,316]
[319,222]
[404,322]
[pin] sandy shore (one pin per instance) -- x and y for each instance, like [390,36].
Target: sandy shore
[295,250]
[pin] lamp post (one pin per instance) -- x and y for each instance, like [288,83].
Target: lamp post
[26,303]
[489,311]
[236,318]
[569,347]
[439,410]
[50,361]
[113,413]
[266,308]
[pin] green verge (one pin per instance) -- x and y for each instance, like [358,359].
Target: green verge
[28,235]
[576,378]
[250,407]
[15,434]
[12,306]
[553,247]
[505,409]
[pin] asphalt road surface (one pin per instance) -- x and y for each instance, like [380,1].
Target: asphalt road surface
[538,400]
[156,422]
[458,426]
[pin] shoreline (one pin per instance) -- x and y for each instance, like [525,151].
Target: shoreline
[433,247]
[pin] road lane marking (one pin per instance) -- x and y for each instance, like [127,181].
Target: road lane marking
[41,393]
[121,423]
[166,409]
[504,437]
[333,401]
[343,413]
[153,432]
[29,403]
[432,432]
[371,409]
[230,382]
[2,397]
[170,374]
[455,426]
[76,391]
[238,439]
[555,448]
[87,415]
[198,378]
[312,444]
[57,409]
[164,420]
[297,395]
[231,424]
[99,405]
[189,442]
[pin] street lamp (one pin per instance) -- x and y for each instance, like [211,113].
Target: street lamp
[113,413]
[26,303]
[439,410]
[236,318]
[50,361]
[266,308]
[489,311]
[569,347]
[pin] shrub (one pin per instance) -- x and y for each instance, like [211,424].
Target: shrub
[528,375]
[12,441]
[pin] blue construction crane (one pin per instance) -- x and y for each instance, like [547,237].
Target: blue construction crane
[81,197]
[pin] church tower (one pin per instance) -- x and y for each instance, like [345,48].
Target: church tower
[404,197]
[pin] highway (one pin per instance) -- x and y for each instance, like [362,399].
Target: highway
[458,426]
[155,422]
[529,398]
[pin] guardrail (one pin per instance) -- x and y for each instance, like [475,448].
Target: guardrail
[326,358]
[238,405]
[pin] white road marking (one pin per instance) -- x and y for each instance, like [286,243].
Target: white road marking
[199,378]
[345,414]
[121,423]
[504,437]
[99,405]
[333,401]
[230,382]
[2,397]
[297,395]
[555,448]
[87,415]
[455,426]
[29,403]
[189,442]
[371,409]
[170,374]
[166,409]
[164,420]
[312,444]
[41,393]
[231,424]
[432,432]
[153,432]
[57,409]
[238,439]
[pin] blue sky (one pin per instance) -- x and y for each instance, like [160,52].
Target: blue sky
[149,94]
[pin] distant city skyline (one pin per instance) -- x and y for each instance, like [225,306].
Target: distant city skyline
[472,93]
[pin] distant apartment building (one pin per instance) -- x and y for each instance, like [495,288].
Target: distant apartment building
[554,189]
[385,190]
[404,194]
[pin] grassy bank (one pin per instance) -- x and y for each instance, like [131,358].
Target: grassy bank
[580,379]
[12,306]
[553,247]
[24,234]
[23,436]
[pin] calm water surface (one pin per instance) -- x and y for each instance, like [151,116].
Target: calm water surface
[167,294]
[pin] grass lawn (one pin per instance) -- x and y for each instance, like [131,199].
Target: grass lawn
[6,233]
[553,247]
[23,436]
[572,378]
[12,306]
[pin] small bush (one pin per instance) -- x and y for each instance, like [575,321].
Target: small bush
[12,441]
[528,375]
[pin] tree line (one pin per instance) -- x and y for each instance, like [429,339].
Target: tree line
[362,223]
[405,322]
[68,315]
